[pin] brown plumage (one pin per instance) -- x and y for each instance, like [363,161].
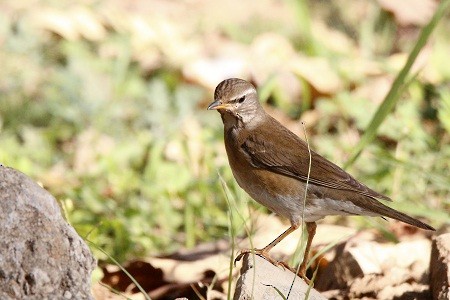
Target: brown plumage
[271,164]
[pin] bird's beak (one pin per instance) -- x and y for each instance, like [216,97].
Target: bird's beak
[216,105]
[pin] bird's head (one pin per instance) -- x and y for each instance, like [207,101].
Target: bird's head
[236,97]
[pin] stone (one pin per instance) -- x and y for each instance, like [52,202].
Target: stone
[440,267]
[42,256]
[260,280]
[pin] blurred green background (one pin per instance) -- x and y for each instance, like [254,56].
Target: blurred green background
[104,103]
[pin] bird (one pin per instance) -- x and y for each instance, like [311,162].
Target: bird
[277,168]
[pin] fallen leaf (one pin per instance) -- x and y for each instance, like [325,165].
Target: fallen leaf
[411,12]
[318,72]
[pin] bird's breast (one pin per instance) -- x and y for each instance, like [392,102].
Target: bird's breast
[279,193]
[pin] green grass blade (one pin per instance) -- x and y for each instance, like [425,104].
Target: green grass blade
[310,286]
[112,290]
[231,205]
[302,13]
[303,203]
[146,296]
[394,93]
[277,290]
[233,246]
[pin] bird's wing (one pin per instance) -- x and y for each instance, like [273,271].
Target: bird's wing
[290,157]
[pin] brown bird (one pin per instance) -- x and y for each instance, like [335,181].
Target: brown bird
[271,164]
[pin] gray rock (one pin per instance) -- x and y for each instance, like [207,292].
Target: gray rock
[260,280]
[440,267]
[41,255]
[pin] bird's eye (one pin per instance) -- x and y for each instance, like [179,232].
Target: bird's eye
[240,100]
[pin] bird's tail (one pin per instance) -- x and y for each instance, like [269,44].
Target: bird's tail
[380,208]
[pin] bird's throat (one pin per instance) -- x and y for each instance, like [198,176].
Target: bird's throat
[231,120]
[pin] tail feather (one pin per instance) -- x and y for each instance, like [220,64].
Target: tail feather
[379,208]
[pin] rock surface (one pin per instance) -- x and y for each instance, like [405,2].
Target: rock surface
[260,280]
[41,257]
[440,267]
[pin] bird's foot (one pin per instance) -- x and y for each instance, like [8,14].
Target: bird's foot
[301,272]
[303,276]
[265,254]
[260,252]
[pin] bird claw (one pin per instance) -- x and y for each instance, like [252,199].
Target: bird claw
[264,254]
[239,256]
[302,274]
[260,252]
[285,266]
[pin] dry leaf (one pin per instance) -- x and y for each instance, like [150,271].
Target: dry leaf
[58,22]
[411,12]
[318,72]
[269,54]
[88,24]
[209,72]
[375,89]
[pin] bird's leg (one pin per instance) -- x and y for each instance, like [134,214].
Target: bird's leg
[311,228]
[264,252]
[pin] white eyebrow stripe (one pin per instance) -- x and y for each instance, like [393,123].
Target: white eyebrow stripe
[245,93]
